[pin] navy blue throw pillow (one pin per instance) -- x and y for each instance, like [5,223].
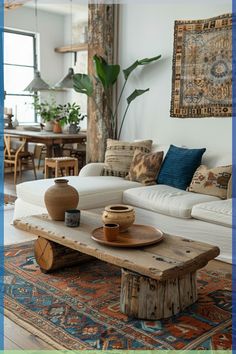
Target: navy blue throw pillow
[179,166]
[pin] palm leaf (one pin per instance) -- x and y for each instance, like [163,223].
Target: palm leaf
[82,83]
[144,61]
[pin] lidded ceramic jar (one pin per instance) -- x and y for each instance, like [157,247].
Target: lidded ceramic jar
[121,214]
[59,198]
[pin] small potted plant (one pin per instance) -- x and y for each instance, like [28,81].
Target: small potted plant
[70,114]
[49,112]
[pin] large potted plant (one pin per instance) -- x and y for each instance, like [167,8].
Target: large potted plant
[70,114]
[49,112]
[107,76]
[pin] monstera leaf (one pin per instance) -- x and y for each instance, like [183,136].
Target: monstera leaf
[135,94]
[106,73]
[82,83]
[144,61]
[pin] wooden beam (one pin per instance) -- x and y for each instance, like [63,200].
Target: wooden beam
[101,24]
[72,48]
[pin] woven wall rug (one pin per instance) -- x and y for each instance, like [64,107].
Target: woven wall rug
[78,308]
[202,68]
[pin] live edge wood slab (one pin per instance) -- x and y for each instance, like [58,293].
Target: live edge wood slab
[157,281]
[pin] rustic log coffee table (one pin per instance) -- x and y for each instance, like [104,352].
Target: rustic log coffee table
[157,281]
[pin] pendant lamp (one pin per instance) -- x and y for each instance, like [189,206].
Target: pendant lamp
[67,81]
[37,84]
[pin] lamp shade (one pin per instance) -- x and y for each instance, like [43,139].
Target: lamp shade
[67,81]
[37,84]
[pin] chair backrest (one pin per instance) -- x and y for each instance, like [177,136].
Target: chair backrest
[9,153]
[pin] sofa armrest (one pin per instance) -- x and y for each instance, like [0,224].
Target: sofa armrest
[92,169]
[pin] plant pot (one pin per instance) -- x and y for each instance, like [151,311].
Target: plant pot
[48,126]
[59,198]
[57,128]
[124,215]
[74,129]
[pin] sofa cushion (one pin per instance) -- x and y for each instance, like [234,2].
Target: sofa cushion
[179,166]
[218,212]
[119,155]
[145,167]
[212,181]
[165,200]
[94,192]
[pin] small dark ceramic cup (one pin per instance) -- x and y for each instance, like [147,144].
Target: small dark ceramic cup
[72,217]
[111,231]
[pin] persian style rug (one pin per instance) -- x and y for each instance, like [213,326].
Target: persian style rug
[78,308]
[202,68]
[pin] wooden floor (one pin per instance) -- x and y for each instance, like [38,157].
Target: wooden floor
[9,186]
[15,337]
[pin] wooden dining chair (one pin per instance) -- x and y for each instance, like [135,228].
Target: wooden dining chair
[17,156]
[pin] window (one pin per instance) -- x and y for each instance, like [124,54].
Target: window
[19,64]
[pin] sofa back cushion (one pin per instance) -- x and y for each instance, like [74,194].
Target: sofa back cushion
[179,166]
[211,158]
[212,181]
[119,155]
[217,157]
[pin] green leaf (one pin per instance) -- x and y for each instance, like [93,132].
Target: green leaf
[106,73]
[135,94]
[82,83]
[144,61]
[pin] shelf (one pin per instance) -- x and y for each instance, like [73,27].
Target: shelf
[72,48]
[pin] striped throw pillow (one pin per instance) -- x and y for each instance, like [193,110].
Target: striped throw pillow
[119,155]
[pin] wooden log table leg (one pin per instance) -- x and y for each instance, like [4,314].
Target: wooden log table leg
[146,298]
[51,256]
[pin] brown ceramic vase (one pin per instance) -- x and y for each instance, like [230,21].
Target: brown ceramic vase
[124,215]
[59,198]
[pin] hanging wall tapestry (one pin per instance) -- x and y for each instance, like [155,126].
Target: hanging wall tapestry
[202,68]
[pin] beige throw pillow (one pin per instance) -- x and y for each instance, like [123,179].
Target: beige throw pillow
[119,155]
[212,181]
[145,167]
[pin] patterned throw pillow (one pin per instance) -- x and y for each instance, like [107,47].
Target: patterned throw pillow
[179,166]
[119,155]
[212,181]
[145,167]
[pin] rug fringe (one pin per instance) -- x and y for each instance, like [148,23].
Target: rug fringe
[32,330]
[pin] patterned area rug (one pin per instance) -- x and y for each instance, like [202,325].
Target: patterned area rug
[78,308]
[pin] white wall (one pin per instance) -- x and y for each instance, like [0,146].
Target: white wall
[145,31]
[51,30]
[80,66]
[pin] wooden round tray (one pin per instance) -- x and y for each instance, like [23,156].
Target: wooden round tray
[135,236]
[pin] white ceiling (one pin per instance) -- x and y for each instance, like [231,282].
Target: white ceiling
[62,7]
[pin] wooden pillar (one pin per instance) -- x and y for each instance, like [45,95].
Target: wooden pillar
[101,24]
[150,299]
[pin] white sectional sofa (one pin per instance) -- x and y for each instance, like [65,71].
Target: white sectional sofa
[195,216]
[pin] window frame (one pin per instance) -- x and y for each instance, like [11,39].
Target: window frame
[35,67]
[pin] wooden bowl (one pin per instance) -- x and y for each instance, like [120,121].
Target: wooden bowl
[121,214]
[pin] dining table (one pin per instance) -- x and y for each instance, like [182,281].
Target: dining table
[49,139]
